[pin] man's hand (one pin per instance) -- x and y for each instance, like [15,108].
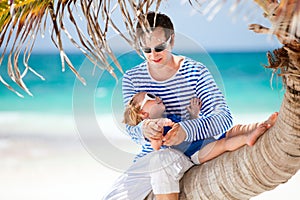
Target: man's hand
[174,136]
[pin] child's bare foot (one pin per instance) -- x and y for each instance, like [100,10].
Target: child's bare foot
[252,136]
[261,129]
[272,119]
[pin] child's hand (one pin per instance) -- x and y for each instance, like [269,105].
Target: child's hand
[194,108]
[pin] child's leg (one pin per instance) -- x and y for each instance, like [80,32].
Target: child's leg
[209,152]
[240,129]
[214,149]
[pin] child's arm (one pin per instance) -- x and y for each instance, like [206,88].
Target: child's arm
[194,108]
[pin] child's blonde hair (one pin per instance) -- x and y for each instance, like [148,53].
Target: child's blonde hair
[132,114]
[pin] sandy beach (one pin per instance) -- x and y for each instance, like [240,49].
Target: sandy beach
[45,159]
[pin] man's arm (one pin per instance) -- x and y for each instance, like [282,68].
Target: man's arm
[216,116]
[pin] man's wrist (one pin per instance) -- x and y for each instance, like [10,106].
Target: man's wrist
[181,132]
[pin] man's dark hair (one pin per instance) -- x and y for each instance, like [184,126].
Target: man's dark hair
[161,20]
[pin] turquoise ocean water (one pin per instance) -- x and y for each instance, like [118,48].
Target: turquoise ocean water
[241,76]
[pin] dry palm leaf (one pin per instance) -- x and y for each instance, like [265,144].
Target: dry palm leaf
[21,21]
[284,15]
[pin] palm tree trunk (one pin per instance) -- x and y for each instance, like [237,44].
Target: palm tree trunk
[273,160]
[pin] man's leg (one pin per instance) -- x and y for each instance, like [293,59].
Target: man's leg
[167,168]
[134,184]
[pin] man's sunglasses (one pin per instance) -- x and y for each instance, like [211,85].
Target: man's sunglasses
[158,48]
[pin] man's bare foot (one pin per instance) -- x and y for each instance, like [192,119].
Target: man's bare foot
[252,136]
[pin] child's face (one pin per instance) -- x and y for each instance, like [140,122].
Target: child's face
[155,108]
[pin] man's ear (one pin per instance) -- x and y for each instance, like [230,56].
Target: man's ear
[144,115]
[172,40]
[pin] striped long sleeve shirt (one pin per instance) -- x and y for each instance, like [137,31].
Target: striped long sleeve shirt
[192,79]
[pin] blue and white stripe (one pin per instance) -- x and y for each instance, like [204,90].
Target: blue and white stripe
[191,80]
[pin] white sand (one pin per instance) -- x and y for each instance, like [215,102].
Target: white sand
[42,157]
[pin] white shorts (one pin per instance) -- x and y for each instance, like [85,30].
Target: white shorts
[159,171]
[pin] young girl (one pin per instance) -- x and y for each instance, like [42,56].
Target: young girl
[144,105]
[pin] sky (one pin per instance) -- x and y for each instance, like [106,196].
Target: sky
[226,32]
[223,33]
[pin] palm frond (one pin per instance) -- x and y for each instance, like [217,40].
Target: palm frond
[91,21]
[21,21]
[284,15]
[99,19]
